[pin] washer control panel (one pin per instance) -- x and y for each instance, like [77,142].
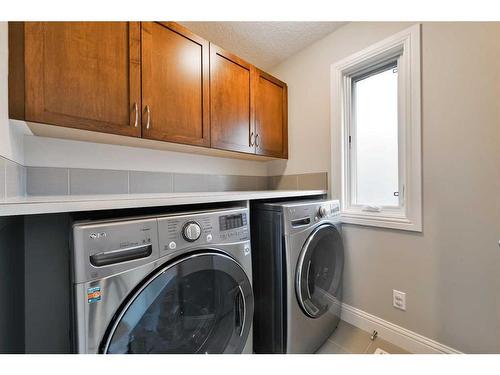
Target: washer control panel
[192,229]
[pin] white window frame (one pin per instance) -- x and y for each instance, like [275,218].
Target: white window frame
[405,47]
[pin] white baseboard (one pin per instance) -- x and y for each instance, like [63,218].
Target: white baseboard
[402,337]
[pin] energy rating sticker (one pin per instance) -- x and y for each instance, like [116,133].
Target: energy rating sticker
[94,294]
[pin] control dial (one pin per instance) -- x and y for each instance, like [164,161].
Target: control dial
[191,231]
[323,212]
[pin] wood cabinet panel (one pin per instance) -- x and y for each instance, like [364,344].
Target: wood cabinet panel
[175,84]
[231,101]
[154,80]
[271,123]
[83,75]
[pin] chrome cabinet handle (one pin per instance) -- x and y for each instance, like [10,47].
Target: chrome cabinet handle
[148,120]
[136,110]
[252,143]
[257,143]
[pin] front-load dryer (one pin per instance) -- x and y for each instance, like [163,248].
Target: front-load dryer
[179,283]
[298,259]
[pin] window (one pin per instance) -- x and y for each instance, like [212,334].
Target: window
[373,144]
[376,161]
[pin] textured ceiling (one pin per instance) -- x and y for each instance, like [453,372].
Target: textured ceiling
[264,44]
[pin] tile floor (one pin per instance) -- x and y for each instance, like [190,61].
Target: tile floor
[348,339]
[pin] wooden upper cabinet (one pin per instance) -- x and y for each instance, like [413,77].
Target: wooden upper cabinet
[232,125]
[83,75]
[175,84]
[271,123]
[155,80]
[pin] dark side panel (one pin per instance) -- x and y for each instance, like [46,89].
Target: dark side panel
[269,278]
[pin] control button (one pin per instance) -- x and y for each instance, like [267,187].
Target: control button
[247,250]
[172,245]
[209,237]
[191,231]
[323,212]
[93,236]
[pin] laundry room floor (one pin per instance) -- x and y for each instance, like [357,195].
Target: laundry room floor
[348,339]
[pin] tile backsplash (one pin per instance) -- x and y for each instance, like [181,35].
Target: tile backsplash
[305,181]
[12,179]
[17,181]
[150,182]
[47,181]
[74,181]
[97,181]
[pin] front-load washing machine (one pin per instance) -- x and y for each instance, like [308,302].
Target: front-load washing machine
[179,283]
[298,259]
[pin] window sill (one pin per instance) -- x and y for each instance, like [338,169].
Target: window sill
[380,219]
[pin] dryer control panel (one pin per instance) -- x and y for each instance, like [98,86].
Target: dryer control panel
[312,211]
[178,232]
[303,214]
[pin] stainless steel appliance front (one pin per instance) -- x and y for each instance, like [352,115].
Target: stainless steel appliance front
[147,285]
[305,275]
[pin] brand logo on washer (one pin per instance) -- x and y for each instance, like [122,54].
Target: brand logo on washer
[95,236]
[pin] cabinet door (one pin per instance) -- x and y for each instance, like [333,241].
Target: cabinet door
[232,125]
[175,84]
[84,75]
[271,124]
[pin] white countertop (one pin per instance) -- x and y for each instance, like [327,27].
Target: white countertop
[71,203]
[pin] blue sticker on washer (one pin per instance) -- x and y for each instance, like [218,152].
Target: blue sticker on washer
[94,294]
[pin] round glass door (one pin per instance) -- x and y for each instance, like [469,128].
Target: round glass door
[199,304]
[319,270]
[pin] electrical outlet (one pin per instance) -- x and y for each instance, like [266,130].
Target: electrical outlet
[399,300]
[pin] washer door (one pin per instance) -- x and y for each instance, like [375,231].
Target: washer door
[319,270]
[199,304]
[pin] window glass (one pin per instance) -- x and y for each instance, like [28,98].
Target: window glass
[374,142]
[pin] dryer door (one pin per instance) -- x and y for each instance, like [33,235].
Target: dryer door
[319,271]
[199,304]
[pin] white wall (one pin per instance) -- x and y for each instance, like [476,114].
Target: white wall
[11,138]
[451,271]
[52,152]
[18,144]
